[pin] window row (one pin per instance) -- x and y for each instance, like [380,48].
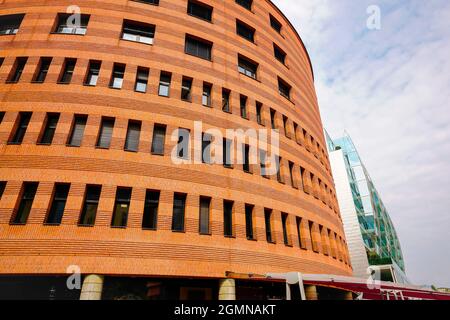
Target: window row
[144,33]
[299,177]
[291,130]
[318,235]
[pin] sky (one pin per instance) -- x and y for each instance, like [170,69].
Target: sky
[390,89]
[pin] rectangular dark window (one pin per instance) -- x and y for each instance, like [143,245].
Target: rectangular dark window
[1,61]
[93,73]
[247,4]
[133,136]
[26,201]
[60,193]
[228,218]
[285,126]
[284,221]
[278,164]
[205,207]
[227,154]
[280,55]
[245,31]
[268,223]
[243,104]
[150,219]
[259,113]
[206,96]
[200,10]
[10,24]
[50,127]
[76,136]
[121,207]
[198,47]
[275,24]
[105,133]
[141,79]
[67,24]
[179,204]
[67,71]
[226,100]
[272,119]
[183,151]
[2,115]
[164,84]
[17,70]
[154,2]
[117,75]
[42,71]
[2,188]
[206,148]
[247,67]
[186,89]
[22,124]
[138,31]
[249,222]
[284,88]
[159,137]
[295,132]
[263,162]
[291,174]
[246,156]
[90,205]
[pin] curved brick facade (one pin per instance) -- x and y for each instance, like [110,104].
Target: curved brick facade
[34,247]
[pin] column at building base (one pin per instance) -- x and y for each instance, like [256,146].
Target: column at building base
[92,287]
[227,289]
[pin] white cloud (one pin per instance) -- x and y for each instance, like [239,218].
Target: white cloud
[391,90]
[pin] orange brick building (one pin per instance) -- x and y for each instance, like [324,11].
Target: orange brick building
[88,104]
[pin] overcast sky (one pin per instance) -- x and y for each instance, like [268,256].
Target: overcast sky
[390,90]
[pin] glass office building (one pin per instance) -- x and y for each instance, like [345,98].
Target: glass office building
[371,235]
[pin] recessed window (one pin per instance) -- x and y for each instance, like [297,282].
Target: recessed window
[285,126]
[206,148]
[105,133]
[198,47]
[259,113]
[243,106]
[247,4]
[227,153]
[69,24]
[291,174]
[263,162]
[1,61]
[206,96]
[268,223]
[278,167]
[200,10]
[17,70]
[141,79]
[284,88]
[272,119]
[179,205]
[2,188]
[93,73]
[42,70]
[56,212]
[280,55]
[76,135]
[226,100]
[151,205]
[50,127]
[154,2]
[138,32]
[245,31]
[228,218]
[159,137]
[183,151]
[67,71]
[275,24]
[10,24]
[205,208]
[121,207]
[301,242]
[164,84]
[186,89]
[22,124]
[250,232]
[90,205]
[26,201]
[247,67]
[246,158]
[284,222]
[117,75]
[133,136]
